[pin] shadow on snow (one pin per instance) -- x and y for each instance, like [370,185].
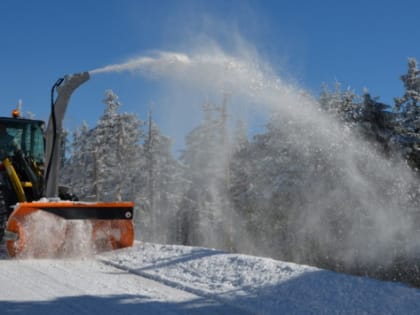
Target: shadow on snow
[317,292]
[313,292]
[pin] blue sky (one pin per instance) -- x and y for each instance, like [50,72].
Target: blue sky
[358,43]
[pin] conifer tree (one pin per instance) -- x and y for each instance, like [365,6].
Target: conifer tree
[201,217]
[164,185]
[409,102]
[79,171]
[117,139]
[407,108]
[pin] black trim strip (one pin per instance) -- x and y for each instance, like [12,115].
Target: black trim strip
[100,213]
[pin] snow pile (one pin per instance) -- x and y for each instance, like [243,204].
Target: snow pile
[263,286]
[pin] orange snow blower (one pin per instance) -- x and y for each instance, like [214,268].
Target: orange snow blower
[36,215]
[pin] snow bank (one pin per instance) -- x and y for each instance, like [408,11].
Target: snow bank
[264,286]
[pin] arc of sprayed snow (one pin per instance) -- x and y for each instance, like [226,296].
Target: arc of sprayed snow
[142,62]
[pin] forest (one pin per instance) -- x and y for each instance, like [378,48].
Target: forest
[338,191]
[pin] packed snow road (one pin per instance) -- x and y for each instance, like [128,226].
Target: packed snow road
[88,286]
[165,279]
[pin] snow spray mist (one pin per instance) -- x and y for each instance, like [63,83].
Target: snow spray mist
[363,179]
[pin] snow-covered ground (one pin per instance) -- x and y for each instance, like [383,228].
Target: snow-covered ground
[167,279]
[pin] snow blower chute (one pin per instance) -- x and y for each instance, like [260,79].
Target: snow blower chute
[29,191]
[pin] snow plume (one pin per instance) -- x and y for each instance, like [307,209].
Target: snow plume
[147,64]
[369,193]
[212,71]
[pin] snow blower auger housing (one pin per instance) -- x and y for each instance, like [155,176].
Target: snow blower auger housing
[33,206]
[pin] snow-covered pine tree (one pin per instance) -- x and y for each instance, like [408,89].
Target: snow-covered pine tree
[118,151]
[266,186]
[79,171]
[376,123]
[164,186]
[342,104]
[408,103]
[105,162]
[202,219]
[407,108]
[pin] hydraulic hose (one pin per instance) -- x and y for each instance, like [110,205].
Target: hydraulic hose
[54,125]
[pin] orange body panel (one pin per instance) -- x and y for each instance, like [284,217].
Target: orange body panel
[105,233]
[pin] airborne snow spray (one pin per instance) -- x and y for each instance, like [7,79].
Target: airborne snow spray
[358,187]
[147,64]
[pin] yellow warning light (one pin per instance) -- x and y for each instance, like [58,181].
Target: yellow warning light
[15,113]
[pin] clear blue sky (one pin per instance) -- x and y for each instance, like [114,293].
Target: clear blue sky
[359,43]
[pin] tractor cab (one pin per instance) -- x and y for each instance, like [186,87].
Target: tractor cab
[22,153]
[24,135]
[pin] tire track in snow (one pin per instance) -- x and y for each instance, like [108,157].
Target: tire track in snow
[231,308]
[89,286]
